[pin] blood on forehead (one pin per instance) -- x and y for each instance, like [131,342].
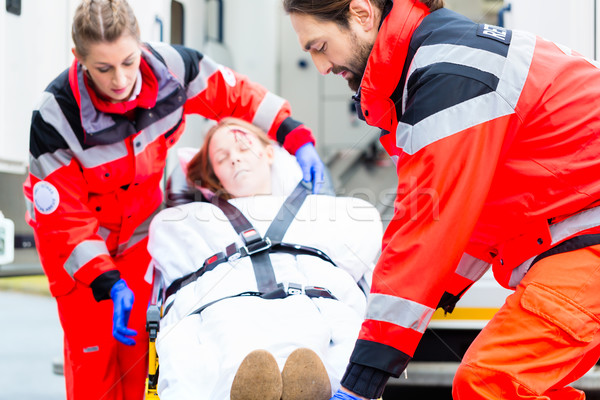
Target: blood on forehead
[240,134]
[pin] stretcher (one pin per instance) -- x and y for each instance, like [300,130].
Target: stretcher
[156,308]
[153,315]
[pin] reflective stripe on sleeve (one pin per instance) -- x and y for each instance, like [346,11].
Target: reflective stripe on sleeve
[267,111]
[402,312]
[173,60]
[30,208]
[47,163]
[472,268]
[83,253]
[207,68]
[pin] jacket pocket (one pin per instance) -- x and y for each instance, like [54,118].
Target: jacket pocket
[561,311]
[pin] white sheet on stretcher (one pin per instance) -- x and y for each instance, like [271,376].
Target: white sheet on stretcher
[200,354]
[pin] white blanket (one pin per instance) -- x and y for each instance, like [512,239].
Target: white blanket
[200,354]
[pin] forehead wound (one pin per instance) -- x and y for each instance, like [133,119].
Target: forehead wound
[240,135]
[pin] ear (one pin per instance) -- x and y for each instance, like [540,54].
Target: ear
[362,12]
[78,57]
[75,54]
[270,154]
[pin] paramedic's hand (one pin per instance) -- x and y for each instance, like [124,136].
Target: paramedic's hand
[122,298]
[343,395]
[313,169]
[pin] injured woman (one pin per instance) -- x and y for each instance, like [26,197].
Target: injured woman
[266,282]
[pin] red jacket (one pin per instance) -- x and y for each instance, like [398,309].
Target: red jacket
[94,177]
[495,134]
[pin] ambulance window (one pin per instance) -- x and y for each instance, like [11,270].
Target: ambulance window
[177,22]
[13,6]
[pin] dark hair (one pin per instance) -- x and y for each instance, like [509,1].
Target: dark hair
[337,10]
[97,21]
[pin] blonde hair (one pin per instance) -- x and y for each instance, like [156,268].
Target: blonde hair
[97,21]
[200,170]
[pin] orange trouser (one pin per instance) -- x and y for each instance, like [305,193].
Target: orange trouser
[545,337]
[97,366]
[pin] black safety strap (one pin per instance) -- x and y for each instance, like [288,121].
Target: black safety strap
[280,292]
[231,251]
[286,213]
[575,243]
[255,246]
[263,270]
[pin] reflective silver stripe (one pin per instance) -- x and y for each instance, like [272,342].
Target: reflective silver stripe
[450,53]
[102,154]
[53,115]
[47,163]
[83,253]
[472,268]
[140,233]
[577,223]
[560,231]
[402,312]
[412,138]
[90,158]
[172,59]
[490,106]
[516,68]
[30,208]
[103,232]
[267,111]
[156,130]
[207,68]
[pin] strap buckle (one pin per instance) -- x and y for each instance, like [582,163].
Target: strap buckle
[253,243]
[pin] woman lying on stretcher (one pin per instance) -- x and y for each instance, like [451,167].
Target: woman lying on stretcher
[280,323]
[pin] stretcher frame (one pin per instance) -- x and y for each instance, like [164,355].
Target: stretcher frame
[153,315]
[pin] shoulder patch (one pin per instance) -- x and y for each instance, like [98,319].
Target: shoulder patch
[498,33]
[45,197]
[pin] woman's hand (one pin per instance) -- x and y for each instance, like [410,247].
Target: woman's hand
[122,298]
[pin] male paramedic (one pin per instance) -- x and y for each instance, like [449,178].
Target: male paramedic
[496,136]
[98,148]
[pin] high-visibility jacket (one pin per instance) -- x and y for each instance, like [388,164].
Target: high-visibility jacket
[94,177]
[495,134]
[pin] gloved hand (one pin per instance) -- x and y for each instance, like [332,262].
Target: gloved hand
[313,169]
[340,395]
[122,298]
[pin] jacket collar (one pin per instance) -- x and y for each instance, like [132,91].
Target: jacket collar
[386,62]
[384,66]
[103,127]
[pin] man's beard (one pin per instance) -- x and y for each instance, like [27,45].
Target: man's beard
[357,65]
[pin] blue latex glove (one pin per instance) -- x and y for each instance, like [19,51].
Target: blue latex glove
[340,395]
[122,298]
[312,167]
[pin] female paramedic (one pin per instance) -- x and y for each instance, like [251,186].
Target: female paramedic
[234,319]
[99,141]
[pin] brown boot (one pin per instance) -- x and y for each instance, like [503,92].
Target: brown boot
[305,377]
[257,378]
